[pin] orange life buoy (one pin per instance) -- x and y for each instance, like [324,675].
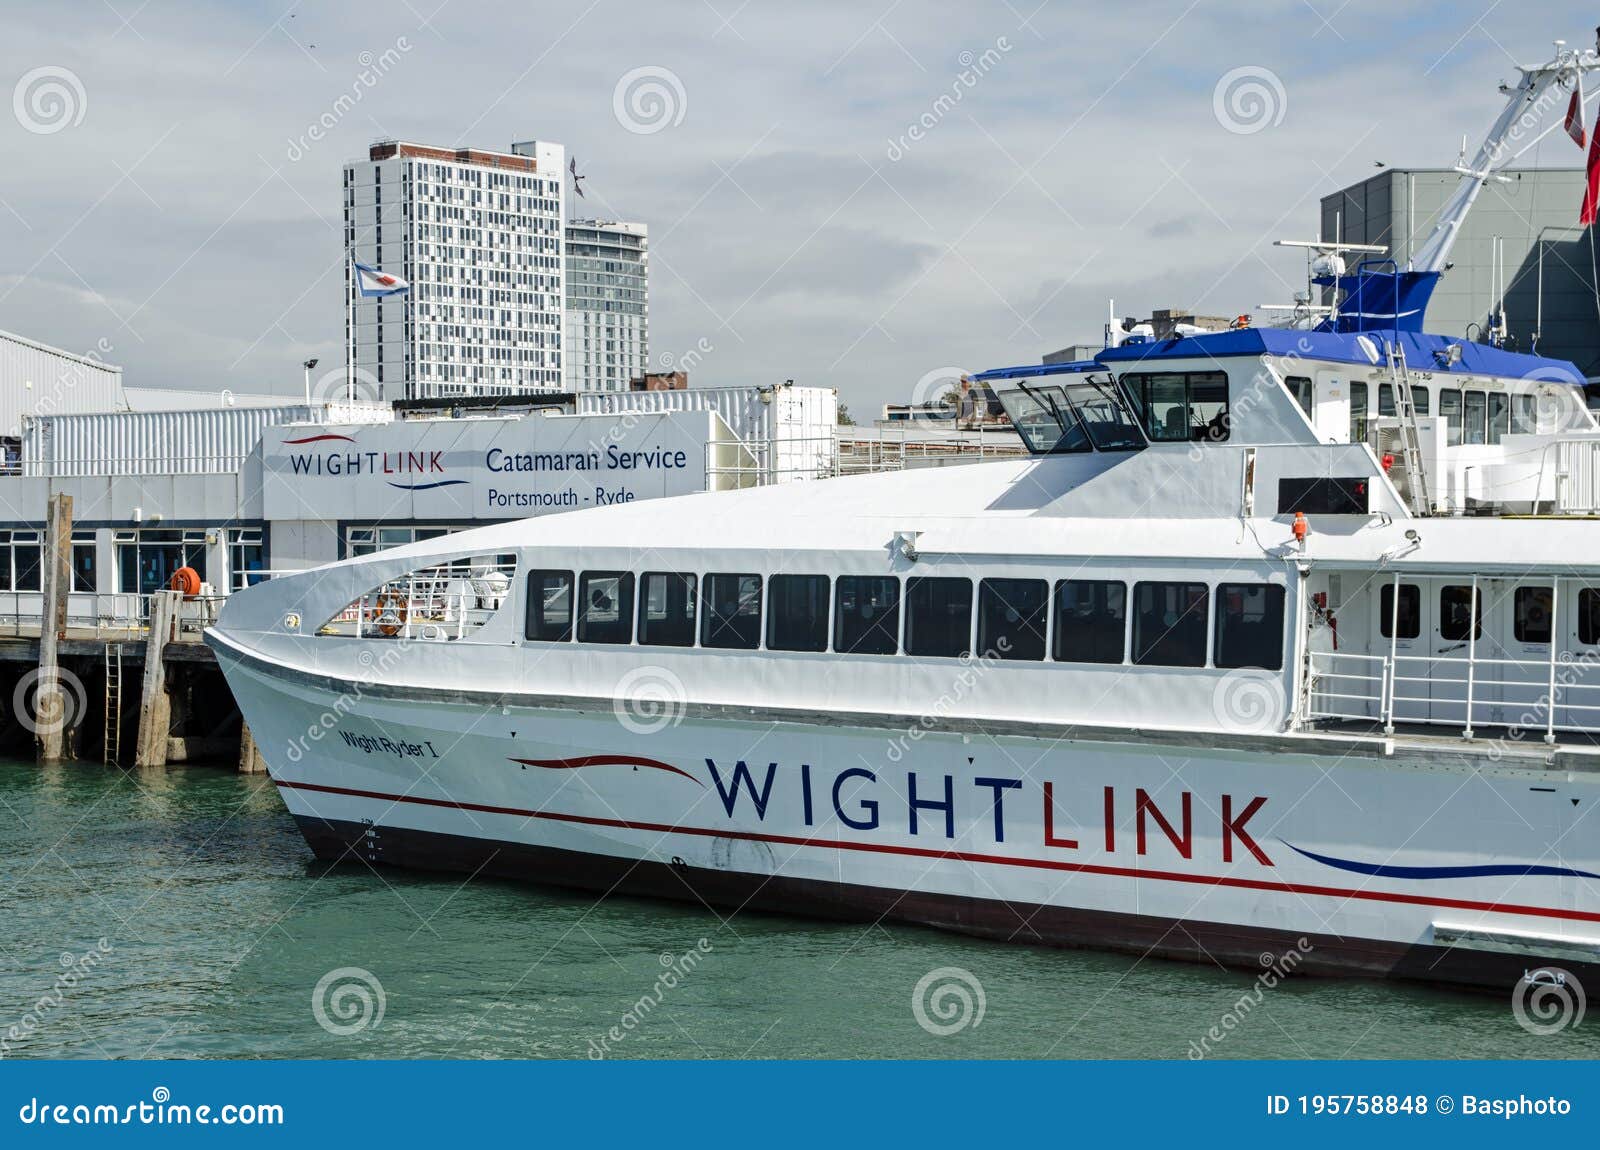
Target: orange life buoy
[186,580]
[388,616]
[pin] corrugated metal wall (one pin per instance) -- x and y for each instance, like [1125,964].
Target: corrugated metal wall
[208,441]
[39,380]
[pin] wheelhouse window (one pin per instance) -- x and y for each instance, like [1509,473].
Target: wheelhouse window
[1419,399]
[549,606]
[666,609]
[1532,615]
[1358,411]
[1408,625]
[1459,616]
[1045,420]
[605,601]
[1090,621]
[1450,411]
[866,615]
[1105,416]
[1011,618]
[797,613]
[1169,624]
[939,617]
[1524,417]
[1385,400]
[1475,430]
[730,615]
[1300,387]
[1177,407]
[1249,626]
[1499,417]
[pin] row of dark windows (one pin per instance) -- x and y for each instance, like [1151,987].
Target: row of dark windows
[1532,613]
[1471,417]
[1172,622]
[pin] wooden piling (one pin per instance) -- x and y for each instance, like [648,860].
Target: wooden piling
[155,707]
[51,705]
[250,760]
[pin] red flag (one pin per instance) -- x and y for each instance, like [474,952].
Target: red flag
[1591,192]
[1575,127]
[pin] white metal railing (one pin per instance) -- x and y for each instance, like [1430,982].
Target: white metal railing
[852,451]
[1577,476]
[1465,692]
[450,601]
[22,612]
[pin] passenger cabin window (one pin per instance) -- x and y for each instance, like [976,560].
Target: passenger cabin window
[939,617]
[1358,411]
[1474,426]
[605,607]
[1532,615]
[866,615]
[666,609]
[1249,626]
[1090,621]
[730,614]
[549,606]
[1169,624]
[1408,624]
[1589,616]
[797,613]
[1459,617]
[1177,407]
[1450,410]
[1011,618]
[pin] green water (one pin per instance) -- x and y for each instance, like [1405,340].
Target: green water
[218,926]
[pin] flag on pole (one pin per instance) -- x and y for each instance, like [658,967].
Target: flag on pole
[1575,126]
[372,282]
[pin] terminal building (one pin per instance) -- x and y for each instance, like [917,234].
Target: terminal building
[1521,254]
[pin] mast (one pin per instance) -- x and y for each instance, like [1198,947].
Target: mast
[1527,102]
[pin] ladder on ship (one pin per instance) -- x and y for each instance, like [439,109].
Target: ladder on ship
[113,711]
[1417,489]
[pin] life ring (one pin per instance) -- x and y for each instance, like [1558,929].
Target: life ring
[389,614]
[186,580]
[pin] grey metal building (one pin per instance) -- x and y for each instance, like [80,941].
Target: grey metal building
[1549,282]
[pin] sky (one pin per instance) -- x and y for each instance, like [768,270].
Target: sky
[866,196]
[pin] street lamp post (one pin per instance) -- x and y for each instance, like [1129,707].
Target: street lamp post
[308,365]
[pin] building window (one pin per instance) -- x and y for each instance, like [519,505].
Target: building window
[19,561]
[866,615]
[1410,617]
[1011,618]
[1249,626]
[731,617]
[1090,621]
[666,609]
[147,559]
[85,568]
[939,617]
[1169,624]
[246,557]
[605,607]
[1532,614]
[1460,614]
[1179,407]
[549,606]
[797,613]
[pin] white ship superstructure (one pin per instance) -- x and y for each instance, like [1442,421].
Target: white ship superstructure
[1280,639]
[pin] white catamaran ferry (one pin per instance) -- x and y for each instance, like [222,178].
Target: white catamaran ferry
[1280,639]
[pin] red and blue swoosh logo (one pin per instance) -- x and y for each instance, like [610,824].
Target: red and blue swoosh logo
[1482,870]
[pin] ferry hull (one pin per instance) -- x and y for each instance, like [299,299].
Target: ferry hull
[1437,870]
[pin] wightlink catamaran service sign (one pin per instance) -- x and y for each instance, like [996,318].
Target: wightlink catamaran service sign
[505,468]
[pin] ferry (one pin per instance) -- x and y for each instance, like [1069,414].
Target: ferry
[1281,641]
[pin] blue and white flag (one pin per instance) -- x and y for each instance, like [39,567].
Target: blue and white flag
[372,282]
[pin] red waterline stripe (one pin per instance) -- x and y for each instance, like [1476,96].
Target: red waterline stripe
[967,856]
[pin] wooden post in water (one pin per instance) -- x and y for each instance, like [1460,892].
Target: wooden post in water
[250,760]
[155,708]
[51,708]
